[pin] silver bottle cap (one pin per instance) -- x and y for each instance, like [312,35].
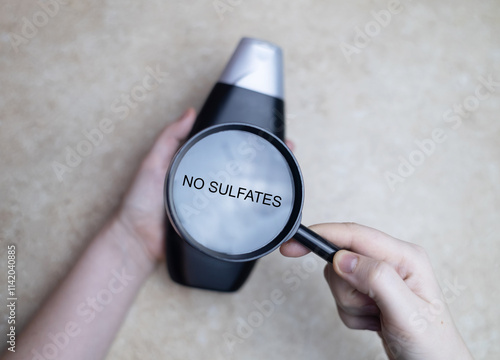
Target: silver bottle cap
[256,65]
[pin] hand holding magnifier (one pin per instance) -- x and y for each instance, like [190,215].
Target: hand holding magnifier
[235,192]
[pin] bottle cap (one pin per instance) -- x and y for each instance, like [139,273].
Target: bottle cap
[256,65]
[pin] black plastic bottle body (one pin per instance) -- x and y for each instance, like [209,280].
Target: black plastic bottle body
[225,104]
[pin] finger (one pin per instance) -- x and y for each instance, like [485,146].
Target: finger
[292,248]
[360,322]
[379,281]
[410,261]
[348,298]
[290,144]
[169,141]
[362,239]
[406,257]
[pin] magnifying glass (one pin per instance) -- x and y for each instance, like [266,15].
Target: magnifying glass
[235,192]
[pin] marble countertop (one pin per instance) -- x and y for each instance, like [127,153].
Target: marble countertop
[393,108]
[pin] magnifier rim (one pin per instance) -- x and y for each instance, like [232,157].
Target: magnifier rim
[295,216]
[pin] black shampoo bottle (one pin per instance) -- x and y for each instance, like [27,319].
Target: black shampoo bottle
[250,90]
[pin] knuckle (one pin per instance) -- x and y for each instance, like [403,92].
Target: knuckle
[344,299]
[352,225]
[379,271]
[420,253]
[377,278]
[348,298]
[342,294]
[346,319]
[351,321]
[353,228]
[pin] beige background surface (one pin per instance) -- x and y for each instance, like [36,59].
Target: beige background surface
[351,121]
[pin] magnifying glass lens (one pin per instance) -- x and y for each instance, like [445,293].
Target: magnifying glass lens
[235,192]
[232,192]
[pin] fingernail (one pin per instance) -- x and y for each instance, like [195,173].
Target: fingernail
[347,262]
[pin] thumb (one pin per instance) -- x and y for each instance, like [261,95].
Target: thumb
[380,281]
[168,142]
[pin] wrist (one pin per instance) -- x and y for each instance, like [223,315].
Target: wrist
[444,342]
[128,247]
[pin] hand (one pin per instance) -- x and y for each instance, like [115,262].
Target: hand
[388,285]
[142,213]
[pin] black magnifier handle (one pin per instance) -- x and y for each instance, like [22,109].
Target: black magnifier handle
[316,243]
